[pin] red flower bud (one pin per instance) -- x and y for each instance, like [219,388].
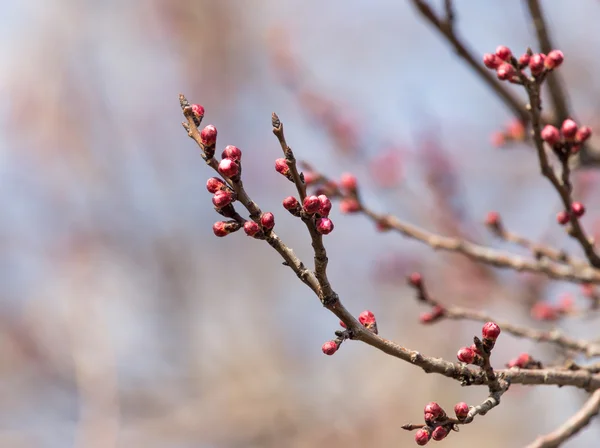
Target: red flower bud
[251,228]
[490,331]
[415,279]
[232,152]
[281,166]
[550,135]
[208,135]
[461,410]
[324,226]
[583,133]
[521,361]
[569,128]
[524,59]
[324,205]
[228,168]
[348,181]
[267,220]
[578,209]
[214,184]
[222,198]
[554,59]
[366,318]
[466,355]
[493,219]
[290,203]
[439,433]
[221,228]
[536,63]
[562,217]
[198,110]
[435,409]
[491,61]
[349,205]
[311,204]
[544,312]
[329,348]
[422,436]
[503,53]
[505,71]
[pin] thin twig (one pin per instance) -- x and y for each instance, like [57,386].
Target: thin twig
[533,91]
[572,426]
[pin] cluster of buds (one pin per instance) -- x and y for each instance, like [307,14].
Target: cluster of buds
[366,319]
[524,361]
[546,312]
[473,354]
[320,207]
[435,427]
[349,187]
[564,216]
[568,139]
[508,67]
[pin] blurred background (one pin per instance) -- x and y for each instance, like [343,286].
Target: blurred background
[125,323]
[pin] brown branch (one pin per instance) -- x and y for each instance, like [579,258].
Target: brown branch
[589,349]
[327,295]
[509,99]
[555,85]
[532,87]
[537,250]
[476,252]
[572,426]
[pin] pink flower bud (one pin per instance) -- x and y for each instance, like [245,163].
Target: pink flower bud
[329,348]
[521,361]
[563,217]
[221,228]
[343,325]
[281,166]
[569,128]
[251,228]
[348,181]
[232,152]
[583,133]
[578,209]
[429,418]
[550,135]
[198,110]
[492,219]
[366,318]
[208,135]
[324,226]
[311,204]
[505,71]
[214,184]
[267,220]
[222,198]
[491,61]
[554,59]
[435,409]
[291,203]
[228,168]
[490,331]
[536,63]
[324,205]
[349,205]
[466,355]
[422,436]
[544,312]
[439,433]
[524,59]
[503,53]
[310,177]
[461,410]
[415,280]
